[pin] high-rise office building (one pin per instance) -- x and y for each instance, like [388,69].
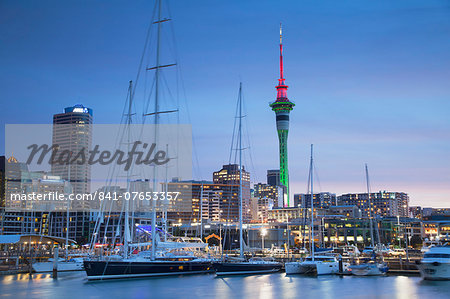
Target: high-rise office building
[219,202]
[229,174]
[273,177]
[72,132]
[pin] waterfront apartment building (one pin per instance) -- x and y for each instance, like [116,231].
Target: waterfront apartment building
[296,214]
[72,132]
[322,200]
[346,211]
[284,215]
[384,204]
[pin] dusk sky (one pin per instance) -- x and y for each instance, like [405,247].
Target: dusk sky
[370,80]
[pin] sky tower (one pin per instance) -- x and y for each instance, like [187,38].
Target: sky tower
[282,107]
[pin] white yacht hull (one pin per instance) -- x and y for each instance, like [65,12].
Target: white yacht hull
[310,267]
[435,270]
[62,266]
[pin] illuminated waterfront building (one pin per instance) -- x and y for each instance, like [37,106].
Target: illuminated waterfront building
[272,192]
[383,203]
[229,175]
[321,200]
[220,202]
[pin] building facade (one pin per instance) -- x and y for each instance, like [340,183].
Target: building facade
[230,175]
[382,203]
[72,133]
[321,200]
[272,192]
[219,202]
[273,177]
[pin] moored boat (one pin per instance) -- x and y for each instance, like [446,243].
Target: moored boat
[319,265]
[144,267]
[435,264]
[252,266]
[370,268]
[73,264]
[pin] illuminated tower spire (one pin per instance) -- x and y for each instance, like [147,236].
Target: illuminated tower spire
[282,107]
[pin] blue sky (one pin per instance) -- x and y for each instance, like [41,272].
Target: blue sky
[370,80]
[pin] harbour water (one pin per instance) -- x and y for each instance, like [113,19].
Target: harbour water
[75,285]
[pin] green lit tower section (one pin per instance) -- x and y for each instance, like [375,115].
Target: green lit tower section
[282,107]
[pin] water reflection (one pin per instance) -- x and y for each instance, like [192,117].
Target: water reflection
[75,285]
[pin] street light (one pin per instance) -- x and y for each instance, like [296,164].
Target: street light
[263,233]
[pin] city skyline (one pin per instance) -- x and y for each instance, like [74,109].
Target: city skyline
[367,88]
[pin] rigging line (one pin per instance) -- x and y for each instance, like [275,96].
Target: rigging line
[147,38]
[181,86]
[188,115]
[250,152]
[177,80]
[170,95]
[175,47]
[317,177]
[233,135]
[148,100]
[309,181]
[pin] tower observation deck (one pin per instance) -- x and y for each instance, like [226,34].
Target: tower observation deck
[282,107]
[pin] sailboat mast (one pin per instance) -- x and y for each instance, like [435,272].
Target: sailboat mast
[157,69]
[370,206]
[166,187]
[201,213]
[312,204]
[127,203]
[68,205]
[241,238]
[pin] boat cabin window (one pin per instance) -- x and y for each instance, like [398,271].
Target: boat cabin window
[437,255]
[323,259]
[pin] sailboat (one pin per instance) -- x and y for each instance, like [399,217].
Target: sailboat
[314,264]
[241,266]
[370,266]
[147,263]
